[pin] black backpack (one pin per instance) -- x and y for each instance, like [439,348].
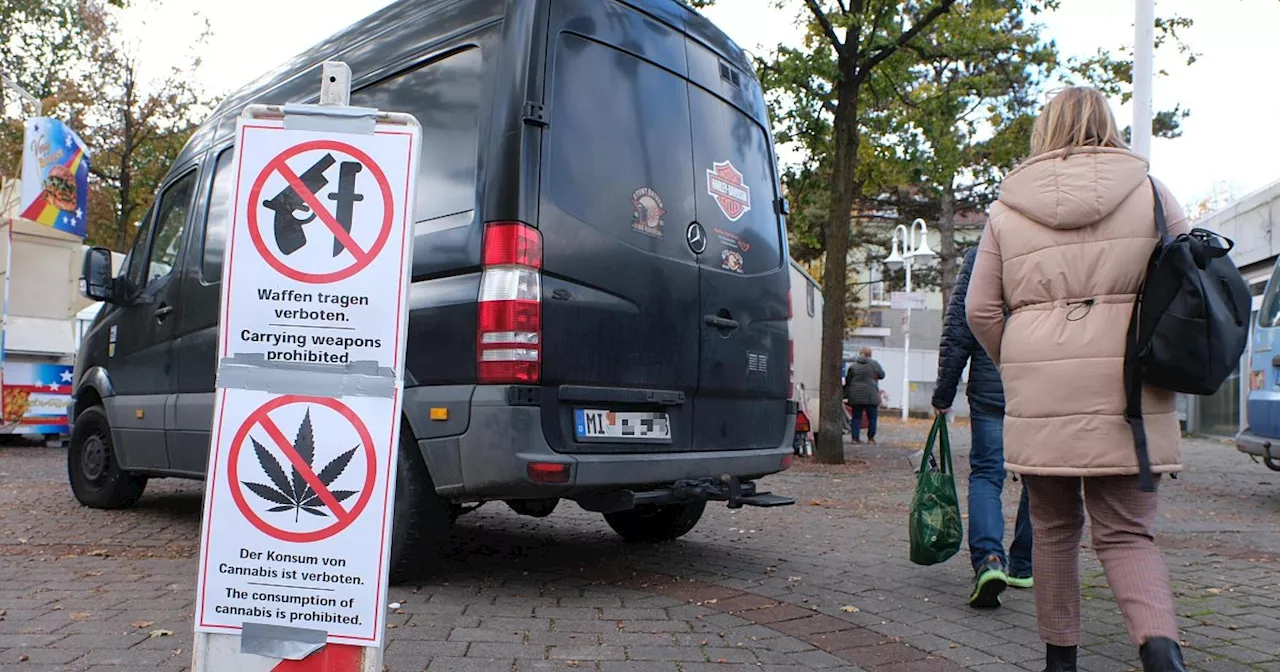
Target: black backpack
[1189,326]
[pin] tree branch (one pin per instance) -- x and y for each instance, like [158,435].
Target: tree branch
[830,30]
[824,99]
[879,55]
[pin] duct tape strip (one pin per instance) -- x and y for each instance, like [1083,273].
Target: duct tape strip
[280,641]
[355,379]
[330,118]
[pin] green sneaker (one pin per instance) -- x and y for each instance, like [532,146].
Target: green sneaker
[990,582]
[1022,582]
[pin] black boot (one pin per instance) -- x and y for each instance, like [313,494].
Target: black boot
[1161,654]
[1059,658]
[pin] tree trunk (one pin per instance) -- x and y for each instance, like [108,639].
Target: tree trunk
[835,272]
[125,170]
[949,264]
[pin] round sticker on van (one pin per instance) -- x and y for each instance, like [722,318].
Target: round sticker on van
[730,260]
[647,212]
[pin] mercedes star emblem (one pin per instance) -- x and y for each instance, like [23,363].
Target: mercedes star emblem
[696,237]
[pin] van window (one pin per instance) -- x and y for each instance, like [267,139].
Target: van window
[215,225]
[171,221]
[444,96]
[1270,311]
[134,261]
[621,155]
[735,187]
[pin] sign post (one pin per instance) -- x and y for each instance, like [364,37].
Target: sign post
[295,538]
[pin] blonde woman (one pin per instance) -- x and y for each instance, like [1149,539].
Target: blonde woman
[1061,260]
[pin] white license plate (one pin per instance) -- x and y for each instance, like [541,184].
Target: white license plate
[598,425]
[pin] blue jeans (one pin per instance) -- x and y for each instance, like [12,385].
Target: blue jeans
[986,510]
[855,423]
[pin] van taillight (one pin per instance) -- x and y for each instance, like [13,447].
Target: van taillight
[509,334]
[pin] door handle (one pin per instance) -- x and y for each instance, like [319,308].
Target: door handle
[721,322]
[163,311]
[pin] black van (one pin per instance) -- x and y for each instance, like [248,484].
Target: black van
[600,290]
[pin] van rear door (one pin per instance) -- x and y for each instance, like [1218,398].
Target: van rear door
[620,285]
[743,379]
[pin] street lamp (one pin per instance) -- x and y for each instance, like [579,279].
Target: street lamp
[894,261]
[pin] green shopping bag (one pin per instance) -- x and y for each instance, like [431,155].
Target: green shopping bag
[936,530]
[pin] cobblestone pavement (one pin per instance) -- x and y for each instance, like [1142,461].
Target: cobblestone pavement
[824,584]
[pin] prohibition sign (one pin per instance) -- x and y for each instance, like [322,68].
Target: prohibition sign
[344,516]
[362,257]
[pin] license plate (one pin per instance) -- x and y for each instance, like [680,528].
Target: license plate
[598,425]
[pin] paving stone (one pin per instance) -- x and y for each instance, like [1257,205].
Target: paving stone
[827,577]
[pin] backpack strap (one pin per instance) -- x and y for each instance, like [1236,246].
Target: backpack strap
[1132,368]
[1161,227]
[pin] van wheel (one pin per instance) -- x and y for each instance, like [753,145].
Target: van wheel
[422,524]
[656,523]
[96,477]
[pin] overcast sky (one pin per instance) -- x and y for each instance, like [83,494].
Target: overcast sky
[1229,142]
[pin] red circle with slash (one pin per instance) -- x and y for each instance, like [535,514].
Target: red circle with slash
[362,257]
[344,517]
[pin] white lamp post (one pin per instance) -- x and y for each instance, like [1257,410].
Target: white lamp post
[1143,66]
[894,261]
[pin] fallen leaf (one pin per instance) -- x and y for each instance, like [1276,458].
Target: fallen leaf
[160,633]
[23,658]
[80,615]
[142,624]
[849,609]
[1214,591]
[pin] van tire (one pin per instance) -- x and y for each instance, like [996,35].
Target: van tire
[651,524]
[422,521]
[96,478]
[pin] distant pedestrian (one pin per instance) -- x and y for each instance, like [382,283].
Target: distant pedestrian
[992,570]
[1064,251]
[862,391]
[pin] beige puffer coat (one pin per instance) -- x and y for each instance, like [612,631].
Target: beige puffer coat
[1065,250]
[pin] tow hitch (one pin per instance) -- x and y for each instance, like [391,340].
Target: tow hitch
[730,489]
[1267,459]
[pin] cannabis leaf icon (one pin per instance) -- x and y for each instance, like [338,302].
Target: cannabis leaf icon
[295,494]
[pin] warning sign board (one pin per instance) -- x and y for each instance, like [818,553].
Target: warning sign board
[318,245]
[301,476]
[299,492]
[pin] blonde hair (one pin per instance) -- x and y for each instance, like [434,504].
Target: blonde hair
[1079,116]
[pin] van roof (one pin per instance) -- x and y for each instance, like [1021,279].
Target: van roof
[674,12]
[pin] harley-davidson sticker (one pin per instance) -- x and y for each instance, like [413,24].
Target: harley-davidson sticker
[647,212]
[725,184]
[730,260]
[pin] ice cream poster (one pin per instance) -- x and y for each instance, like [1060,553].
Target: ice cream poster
[55,176]
[36,397]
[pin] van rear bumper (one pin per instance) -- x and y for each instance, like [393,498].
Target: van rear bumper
[1263,447]
[490,459]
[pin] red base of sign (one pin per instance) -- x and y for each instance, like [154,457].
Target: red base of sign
[332,658]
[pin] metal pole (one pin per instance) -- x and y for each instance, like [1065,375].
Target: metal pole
[906,342]
[1144,30]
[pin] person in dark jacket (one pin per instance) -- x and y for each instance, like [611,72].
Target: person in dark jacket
[993,570]
[862,391]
